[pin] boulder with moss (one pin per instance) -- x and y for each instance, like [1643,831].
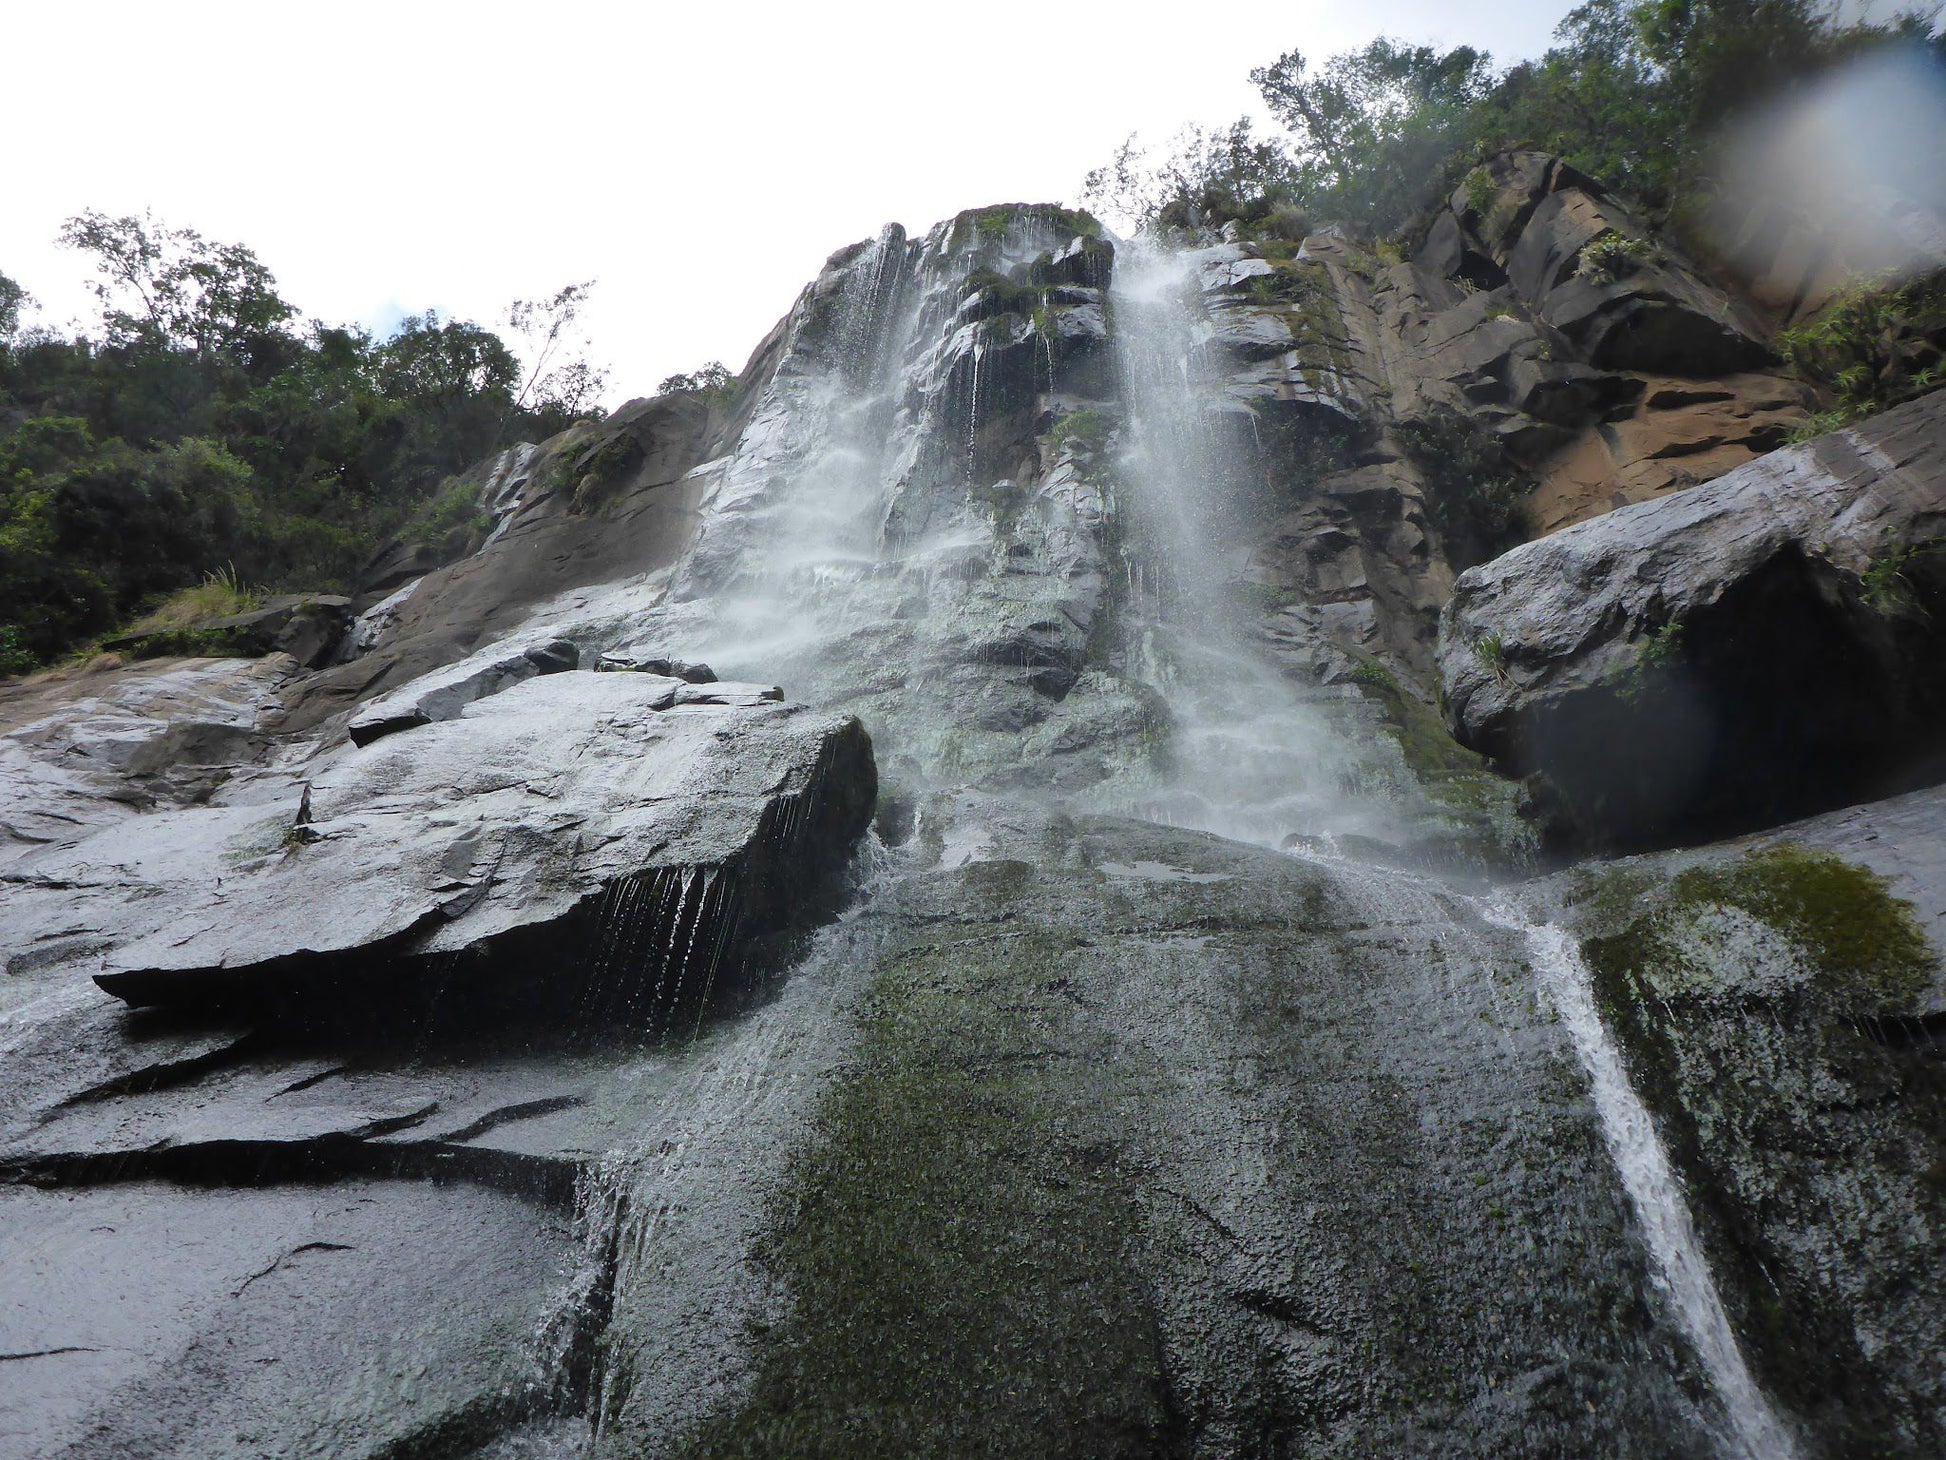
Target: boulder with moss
[1782,1009]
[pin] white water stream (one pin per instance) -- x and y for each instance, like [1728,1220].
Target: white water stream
[1755,1430]
[1254,759]
[798,577]
[1256,762]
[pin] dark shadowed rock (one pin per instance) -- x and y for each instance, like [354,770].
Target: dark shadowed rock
[307,626]
[654,664]
[1745,649]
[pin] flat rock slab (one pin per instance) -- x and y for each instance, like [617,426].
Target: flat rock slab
[572,806]
[1754,648]
[442,694]
[360,1319]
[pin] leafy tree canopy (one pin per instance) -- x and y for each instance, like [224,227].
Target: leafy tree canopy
[713,376]
[1633,91]
[208,430]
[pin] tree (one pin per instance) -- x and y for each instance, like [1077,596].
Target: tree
[1230,172]
[454,383]
[1598,99]
[556,389]
[1374,130]
[13,301]
[172,289]
[714,376]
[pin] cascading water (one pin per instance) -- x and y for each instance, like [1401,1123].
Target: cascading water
[1255,762]
[1755,1430]
[1253,758]
[853,547]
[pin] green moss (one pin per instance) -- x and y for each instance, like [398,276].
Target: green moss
[1000,295]
[955,1259]
[1865,944]
[1087,428]
[1803,1137]
[992,224]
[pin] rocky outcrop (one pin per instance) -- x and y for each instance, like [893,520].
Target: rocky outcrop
[94,746]
[511,1051]
[1783,1004]
[442,694]
[601,501]
[635,827]
[310,627]
[1738,652]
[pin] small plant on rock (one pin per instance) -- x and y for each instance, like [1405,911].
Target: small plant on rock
[1660,650]
[1875,345]
[1480,192]
[1492,652]
[1885,585]
[1612,255]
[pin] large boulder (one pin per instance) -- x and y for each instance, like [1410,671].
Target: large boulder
[1743,650]
[577,836]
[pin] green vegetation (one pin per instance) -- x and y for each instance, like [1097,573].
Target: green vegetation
[1659,651]
[1863,946]
[1476,496]
[1087,428]
[1632,92]
[1873,346]
[1886,586]
[980,226]
[1753,999]
[204,429]
[219,595]
[714,378]
[1612,255]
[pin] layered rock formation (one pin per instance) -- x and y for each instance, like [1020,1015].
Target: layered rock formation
[530,1061]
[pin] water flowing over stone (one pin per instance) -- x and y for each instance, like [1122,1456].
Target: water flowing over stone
[1118,1093]
[1755,1430]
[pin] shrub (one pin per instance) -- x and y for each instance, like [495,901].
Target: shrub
[1612,255]
[1874,345]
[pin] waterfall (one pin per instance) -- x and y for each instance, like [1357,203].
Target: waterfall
[851,548]
[1255,761]
[1253,758]
[1756,1431]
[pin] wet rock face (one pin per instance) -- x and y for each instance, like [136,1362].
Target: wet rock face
[1750,648]
[437,1099]
[1205,1151]
[598,502]
[1785,1019]
[508,846]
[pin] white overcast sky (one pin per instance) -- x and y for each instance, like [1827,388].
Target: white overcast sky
[699,158]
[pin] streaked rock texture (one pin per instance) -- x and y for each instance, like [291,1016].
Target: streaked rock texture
[1741,651]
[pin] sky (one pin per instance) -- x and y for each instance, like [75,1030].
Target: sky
[699,159]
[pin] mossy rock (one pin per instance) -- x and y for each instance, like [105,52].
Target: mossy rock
[1761,1004]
